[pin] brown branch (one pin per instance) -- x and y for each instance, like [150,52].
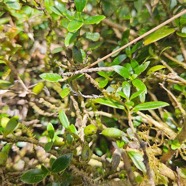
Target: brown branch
[128,167]
[82,71]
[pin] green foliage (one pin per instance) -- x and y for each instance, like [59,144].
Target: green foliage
[90,129]
[109,102]
[159,34]
[112,133]
[61,163]
[10,126]
[80,5]
[4,154]
[137,159]
[150,105]
[51,77]
[87,86]
[34,175]
[63,119]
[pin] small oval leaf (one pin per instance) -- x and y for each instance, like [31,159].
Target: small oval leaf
[11,125]
[137,158]
[80,5]
[34,176]
[139,69]
[70,38]
[65,92]
[52,77]
[61,163]
[92,36]
[94,19]
[38,88]
[50,130]
[150,105]
[90,129]
[122,71]
[109,102]
[159,34]
[74,26]
[112,133]
[155,68]
[63,118]
[126,89]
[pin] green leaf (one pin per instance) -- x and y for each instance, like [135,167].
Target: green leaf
[92,36]
[117,60]
[4,84]
[11,125]
[140,86]
[150,105]
[13,4]
[50,130]
[72,129]
[48,146]
[4,121]
[80,5]
[77,55]
[63,119]
[61,163]
[102,82]
[51,77]
[57,50]
[86,152]
[159,34]
[136,94]
[181,34]
[63,10]
[137,158]
[126,89]
[74,25]
[94,19]
[112,132]
[109,102]
[175,144]
[55,10]
[65,92]
[4,153]
[34,176]
[155,68]
[3,158]
[70,38]
[122,71]
[139,69]
[90,129]
[38,88]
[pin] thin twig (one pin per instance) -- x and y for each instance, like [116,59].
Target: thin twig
[175,60]
[98,69]
[128,167]
[176,102]
[138,38]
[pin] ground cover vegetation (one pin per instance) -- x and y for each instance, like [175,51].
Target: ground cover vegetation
[92,92]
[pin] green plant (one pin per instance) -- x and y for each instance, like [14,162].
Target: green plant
[88,85]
